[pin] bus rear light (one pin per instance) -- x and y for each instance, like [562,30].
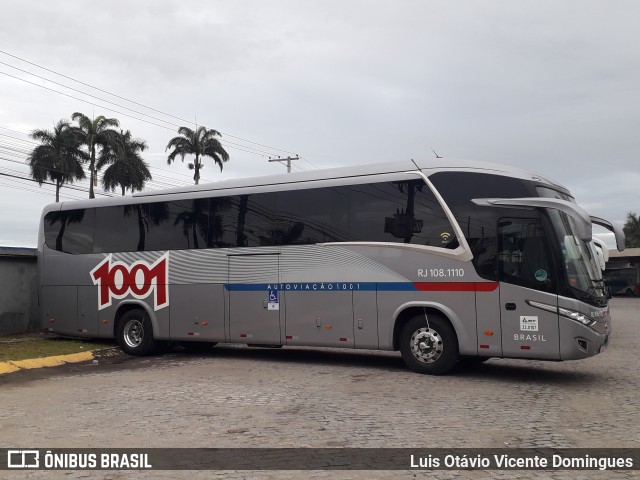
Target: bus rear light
[289,337]
[484,346]
[204,323]
[488,333]
[82,330]
[243,335]
[525,347]
[344,339]
[104,322]
[328,327]
[193,334]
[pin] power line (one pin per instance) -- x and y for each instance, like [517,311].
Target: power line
[15,148]
[42,191]
[10,147]
[131,109]
[159,181]
[235,146]
[88,94]
[65,185]
[128,100]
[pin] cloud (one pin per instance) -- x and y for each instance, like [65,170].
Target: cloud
[543,85]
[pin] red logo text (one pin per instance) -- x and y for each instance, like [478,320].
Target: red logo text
[117,280]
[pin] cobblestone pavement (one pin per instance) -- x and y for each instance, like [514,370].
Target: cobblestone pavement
[240,397]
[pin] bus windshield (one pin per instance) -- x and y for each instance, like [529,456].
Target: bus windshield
[580,260]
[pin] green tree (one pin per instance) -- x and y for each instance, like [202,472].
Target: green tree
[94,133]
[201,142]
[126,167]
[59,158]
[632,231]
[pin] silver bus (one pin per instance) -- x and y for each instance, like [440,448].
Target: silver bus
[443,260]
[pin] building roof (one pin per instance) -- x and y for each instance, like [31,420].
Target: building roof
[626,253]
[18,252]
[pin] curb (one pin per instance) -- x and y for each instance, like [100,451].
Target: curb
[54,361]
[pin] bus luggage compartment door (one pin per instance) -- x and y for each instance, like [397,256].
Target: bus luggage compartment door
[88,325]
[60,309]
[321,318]
[253,316]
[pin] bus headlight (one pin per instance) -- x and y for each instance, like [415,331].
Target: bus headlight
[577,316]
[565,312]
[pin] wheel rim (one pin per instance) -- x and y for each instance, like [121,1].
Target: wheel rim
[426,345]
[133,333]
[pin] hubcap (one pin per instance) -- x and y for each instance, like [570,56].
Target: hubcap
[133,333]
[426,345]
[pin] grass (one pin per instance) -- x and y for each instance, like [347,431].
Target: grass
[38,345]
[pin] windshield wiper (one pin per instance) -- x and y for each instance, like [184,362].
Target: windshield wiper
[592,299]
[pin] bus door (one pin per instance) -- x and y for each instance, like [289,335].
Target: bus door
[527,278]
[254,308]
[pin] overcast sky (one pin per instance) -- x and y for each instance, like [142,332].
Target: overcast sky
[551,86]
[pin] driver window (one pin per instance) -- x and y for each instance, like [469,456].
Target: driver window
[524,257]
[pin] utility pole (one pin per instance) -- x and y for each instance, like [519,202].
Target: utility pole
[288,160]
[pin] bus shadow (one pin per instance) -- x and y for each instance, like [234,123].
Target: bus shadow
[390,361]
[509,371]
[532,372]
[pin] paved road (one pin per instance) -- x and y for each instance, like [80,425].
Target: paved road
[293,397]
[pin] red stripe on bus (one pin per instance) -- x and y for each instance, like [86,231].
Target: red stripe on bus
[456,286]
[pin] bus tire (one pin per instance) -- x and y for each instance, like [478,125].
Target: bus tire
[135,333]
[429,348]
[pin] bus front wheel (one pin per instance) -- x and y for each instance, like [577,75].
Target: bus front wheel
[429,345]
[135,333]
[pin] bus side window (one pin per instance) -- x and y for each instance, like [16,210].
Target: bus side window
[524,257]
[70,231]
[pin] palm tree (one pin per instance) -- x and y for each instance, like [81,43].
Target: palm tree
[126,169]
[201,142]
[195,222]
[95,133]
[59,158]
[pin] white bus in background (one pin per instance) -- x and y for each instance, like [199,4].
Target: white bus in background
[602,251]
[443,260]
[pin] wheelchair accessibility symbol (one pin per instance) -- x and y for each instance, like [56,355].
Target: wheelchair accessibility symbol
[273,303]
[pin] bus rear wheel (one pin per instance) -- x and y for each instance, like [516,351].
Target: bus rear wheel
[135,333]
[429,345]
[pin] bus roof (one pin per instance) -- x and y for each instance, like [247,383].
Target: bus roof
[428,167]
